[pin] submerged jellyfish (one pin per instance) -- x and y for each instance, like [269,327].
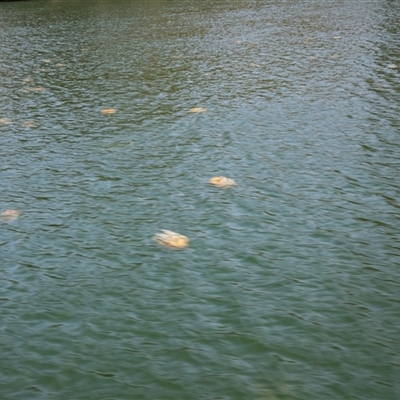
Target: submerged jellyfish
[5,121]
[197,110]
[29,124]
[9,215]
[37,89]
[171,239]
[222,181]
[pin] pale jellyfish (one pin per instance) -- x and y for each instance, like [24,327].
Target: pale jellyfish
[37,89]
[10,215]
[108,111]
[222,181]
[29,124]
[197,110]
[171,239]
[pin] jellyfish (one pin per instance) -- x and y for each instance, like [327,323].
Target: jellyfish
[10,215]
[222,181]
[171,239]
[197,110]
[108,111]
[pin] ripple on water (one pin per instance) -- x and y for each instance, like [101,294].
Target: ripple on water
[289,287]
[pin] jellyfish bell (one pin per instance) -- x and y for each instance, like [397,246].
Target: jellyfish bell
[177,242]
[9,215]
[197,110]
[221,181]
[36,89]
[171,239]
[108,111]
[29,124]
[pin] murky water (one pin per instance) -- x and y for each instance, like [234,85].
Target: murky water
[290,285]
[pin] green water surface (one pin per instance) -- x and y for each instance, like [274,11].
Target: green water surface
[290,286]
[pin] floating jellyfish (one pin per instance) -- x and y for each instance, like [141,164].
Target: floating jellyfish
[392,66]
[29,124]
[108,111]
[171,239]
[36,89]
[254,65]
[222,181]
[10,215]
[5,121]
[197,110]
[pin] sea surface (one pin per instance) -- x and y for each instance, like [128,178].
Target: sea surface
[290,286]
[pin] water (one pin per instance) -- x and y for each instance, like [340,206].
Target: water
[290,287]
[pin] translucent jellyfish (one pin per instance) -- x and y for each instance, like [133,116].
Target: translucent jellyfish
[222,181]
[197,110]
[5,121]
[108,111]
[171,239]
[29,124]
[9,215]
[37,89]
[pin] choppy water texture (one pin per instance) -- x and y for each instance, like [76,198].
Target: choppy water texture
[290,285]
